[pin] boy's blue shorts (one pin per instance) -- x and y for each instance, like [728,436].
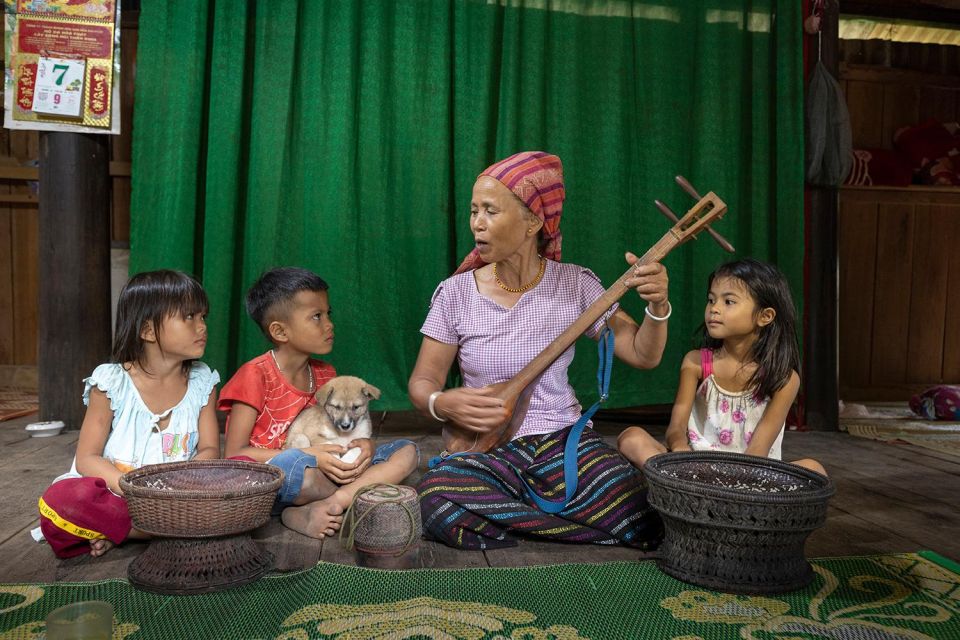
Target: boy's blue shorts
[294,463]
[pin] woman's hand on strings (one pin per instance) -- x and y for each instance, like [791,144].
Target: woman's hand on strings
[475,410]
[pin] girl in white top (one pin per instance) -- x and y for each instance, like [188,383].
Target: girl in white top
[153,403]
[735,392]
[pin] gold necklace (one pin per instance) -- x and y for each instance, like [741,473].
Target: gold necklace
[309,371]
[529,285]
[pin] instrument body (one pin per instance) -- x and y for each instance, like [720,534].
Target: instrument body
[515,393]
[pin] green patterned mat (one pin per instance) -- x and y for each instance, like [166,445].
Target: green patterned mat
[890,597]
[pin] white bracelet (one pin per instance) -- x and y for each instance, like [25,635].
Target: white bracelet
[646,310]
[433,412]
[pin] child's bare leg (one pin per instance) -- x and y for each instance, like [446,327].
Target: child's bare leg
[637,446]
[324,517]
[395,469]
[316,486]
[310,521]
[810,463]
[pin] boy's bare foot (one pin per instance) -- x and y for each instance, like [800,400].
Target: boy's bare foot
[317,520]
[100,547]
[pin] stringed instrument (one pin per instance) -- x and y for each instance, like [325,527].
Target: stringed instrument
[515,392]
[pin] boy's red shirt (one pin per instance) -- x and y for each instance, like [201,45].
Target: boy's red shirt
[260,384]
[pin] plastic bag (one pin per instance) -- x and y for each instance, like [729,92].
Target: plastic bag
[829,140]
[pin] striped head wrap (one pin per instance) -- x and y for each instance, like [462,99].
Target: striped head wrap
[536,178]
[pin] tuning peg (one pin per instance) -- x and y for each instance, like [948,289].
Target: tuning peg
[724,244]
[686,186]
[667,212]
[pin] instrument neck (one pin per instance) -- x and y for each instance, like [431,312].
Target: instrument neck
[593,313]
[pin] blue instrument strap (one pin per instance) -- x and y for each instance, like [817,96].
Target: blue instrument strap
[571,474]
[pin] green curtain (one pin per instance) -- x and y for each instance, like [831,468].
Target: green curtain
[345,136]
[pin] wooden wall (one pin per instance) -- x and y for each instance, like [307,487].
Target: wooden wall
[882,100]
[899,302]
[18,213]
[899,279]
[929,58]
[18,249]
[120,149]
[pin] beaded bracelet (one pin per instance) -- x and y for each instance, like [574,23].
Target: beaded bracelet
[646,310]
[433,412]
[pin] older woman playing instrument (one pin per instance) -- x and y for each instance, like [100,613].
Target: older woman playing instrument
[509,299]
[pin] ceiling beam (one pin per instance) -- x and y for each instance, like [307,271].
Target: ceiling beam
[904,10]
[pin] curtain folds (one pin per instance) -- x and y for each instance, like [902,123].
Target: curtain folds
[344,136]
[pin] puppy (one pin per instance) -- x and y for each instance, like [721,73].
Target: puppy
[340,415]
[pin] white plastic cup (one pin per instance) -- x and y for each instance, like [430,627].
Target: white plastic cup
[90,620]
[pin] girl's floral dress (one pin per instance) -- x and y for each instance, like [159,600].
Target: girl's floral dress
[724,421]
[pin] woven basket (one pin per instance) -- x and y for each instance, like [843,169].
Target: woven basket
[200,498]
[177,566]
[385,519]
[735,522]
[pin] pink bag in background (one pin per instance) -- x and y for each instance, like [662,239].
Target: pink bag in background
[941,402]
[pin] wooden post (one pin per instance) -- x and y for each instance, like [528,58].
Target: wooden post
[74,326]
[820,345]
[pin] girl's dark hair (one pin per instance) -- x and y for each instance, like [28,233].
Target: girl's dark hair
[272,294]
[148,299]
[776,351]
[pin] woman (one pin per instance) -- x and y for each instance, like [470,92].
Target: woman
[508,300]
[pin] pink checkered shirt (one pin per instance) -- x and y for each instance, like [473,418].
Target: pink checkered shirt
[496,342]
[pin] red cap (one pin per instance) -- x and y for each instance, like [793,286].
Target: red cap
[75,511]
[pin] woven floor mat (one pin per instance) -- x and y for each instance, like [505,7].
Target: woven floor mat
[15,403]
[913,596]
[939,435]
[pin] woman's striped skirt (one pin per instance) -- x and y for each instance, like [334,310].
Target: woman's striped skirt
[481,502]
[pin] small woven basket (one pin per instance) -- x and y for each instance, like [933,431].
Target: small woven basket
[200,498]
[383,526]
[736,522]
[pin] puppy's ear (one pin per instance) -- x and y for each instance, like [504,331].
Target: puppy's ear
[371,391]
[324,392]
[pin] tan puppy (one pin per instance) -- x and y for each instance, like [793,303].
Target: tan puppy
[340,415]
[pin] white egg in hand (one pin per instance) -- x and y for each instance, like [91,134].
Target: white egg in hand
[351,455]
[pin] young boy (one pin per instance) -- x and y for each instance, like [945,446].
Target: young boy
[265,395]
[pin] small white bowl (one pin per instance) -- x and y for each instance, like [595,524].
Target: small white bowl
[45,429]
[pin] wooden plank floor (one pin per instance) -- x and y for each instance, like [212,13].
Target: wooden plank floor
[890,498]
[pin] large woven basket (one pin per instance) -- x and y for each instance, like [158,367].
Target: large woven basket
[735,522]
[200,498]
[184,566]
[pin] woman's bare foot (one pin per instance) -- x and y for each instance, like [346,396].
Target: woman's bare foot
[317,519]
[100,547]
